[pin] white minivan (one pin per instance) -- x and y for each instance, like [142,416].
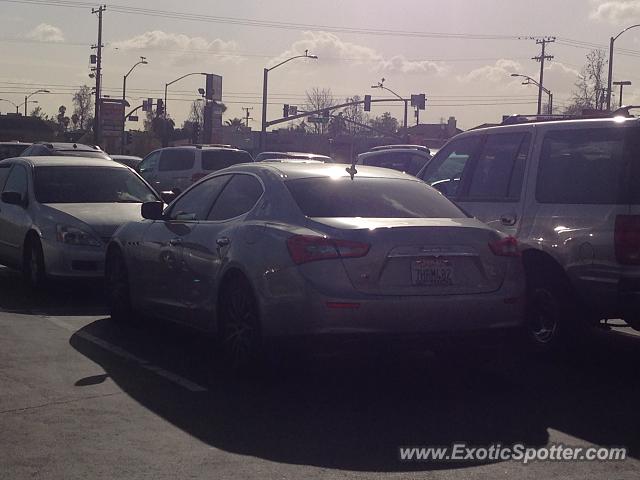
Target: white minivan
[176,168]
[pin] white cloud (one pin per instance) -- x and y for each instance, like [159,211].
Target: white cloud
[330,48]
[617,11]
[499,72]
[46,33]
[181,48]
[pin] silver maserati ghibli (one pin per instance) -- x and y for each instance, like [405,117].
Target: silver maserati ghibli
[262,251]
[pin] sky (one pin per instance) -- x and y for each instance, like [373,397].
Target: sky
[460,53]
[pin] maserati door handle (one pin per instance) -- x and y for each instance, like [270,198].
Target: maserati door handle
[223,241]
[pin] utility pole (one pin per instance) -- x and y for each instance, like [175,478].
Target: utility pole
[541,58]
[97,137]
[623,83]
[247,117]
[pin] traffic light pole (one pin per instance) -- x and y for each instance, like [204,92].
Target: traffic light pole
[334,107]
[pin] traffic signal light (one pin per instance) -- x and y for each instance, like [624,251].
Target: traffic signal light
[285,110]
[127,137]
[418,101]
[367,103]
[160,107]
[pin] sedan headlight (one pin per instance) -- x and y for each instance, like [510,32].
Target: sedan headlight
[76,236]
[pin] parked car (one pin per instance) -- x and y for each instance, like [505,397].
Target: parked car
[405,158]
[12,149]
[58,213]
[176,168]
[569,191]
[265,251]
[264,156]
[40,149]
[128,160]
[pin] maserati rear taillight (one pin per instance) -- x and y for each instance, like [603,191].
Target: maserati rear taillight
[309,248]
[505,247]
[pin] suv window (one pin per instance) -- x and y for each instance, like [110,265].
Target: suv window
[498,172]
[149,164]
[445,171]
[408,162]
[238,197]
[582,166]
[196,202]
[17,180]
[219,159]
[176,159]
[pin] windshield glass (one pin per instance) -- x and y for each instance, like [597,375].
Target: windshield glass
[64,184]
[370,198]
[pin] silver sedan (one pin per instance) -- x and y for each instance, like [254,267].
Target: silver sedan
[58,213]
[262,251]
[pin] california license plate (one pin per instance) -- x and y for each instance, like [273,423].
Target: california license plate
[432,272]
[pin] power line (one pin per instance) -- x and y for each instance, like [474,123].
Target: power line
[174,15]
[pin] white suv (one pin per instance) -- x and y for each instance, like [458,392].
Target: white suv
[176,168]
[569,191]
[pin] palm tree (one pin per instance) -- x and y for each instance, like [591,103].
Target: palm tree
[236,123]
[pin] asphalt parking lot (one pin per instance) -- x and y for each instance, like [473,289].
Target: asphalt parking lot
[83,398]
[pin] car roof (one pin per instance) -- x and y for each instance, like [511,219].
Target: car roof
[202,147]
[69,146]
[68,161]
[131,157]
[313,170]
[16,142]
[586,122]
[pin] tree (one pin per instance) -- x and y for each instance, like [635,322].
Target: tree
[37,112]
[385,123]
[83,108]
[354,113]
[589,92]
[62,119]
[237,124]
[318,99]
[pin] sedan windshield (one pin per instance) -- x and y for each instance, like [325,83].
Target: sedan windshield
[370,198]
[64,184]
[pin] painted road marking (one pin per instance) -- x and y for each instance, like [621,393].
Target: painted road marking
[122,353]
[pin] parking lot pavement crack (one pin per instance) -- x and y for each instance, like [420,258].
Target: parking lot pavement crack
[59,402]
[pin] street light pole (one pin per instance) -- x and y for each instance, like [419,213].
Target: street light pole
[26,97]
[164,113]
[406,101]
[612,41]
[265,80]
[540,89]
[14,104]
[143,61]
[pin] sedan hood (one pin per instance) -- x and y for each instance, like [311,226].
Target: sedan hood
[103,218]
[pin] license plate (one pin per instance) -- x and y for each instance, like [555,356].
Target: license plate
[432,272]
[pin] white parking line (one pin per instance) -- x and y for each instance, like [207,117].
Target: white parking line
[120,352]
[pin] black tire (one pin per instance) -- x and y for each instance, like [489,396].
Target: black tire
[33,268]
[240,339]
[117,288]
[554,323]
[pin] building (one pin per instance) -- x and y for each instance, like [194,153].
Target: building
[433,135]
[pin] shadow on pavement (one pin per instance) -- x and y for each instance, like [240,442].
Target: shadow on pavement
[353,413]
[72,297]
